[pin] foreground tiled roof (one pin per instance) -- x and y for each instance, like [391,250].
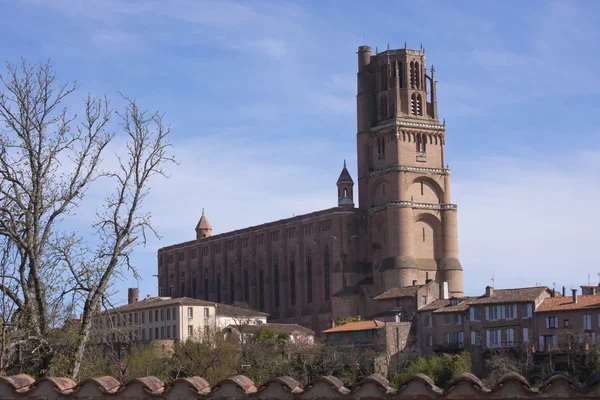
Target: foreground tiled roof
[465,386]
[154,302]
[566,303]
[357,326]
[511,295]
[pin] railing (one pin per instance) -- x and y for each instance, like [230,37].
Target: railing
[501,345]
[412,204]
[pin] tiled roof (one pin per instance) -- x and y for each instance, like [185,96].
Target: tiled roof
[512,295]
[566,303]
[345,176]
[203,223]
[153,302]
[443,305]
[357,326]
[397,292]
[227,310]
[287,328]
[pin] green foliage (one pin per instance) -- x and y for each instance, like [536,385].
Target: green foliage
[343,321]
[214,358]
[441,368]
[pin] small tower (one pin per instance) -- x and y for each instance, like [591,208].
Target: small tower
[345,186]
[203,229]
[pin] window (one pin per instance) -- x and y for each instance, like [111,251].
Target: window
[149,333]
[174,313]
[206,284]
[525,335]
[492,313]
[528,310]
[190,330]
[430,340]
[510,337]
[398,303]
[190,312]
[457,318]
[135,317]
[428,321]
[475,338]
[309,282]
[446,319]
[494,338]
[156,333]
[206,330]
[552,322]
[205,313]
[587,322]
[326,272]
[168,331]
[129,319]
[510,311]
[423,300]
[475,314]
[174,331]
[162,314]
[162,332]
[168,314]
[293,279]
[143,317]
[246,281]
[566,323]
[276,279]
[156,315]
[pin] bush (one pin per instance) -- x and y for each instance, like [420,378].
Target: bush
[441,368]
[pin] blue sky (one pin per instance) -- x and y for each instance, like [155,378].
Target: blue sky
[261,99]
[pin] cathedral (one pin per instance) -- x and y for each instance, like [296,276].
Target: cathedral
[400,229]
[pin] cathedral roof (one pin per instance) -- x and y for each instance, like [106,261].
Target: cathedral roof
[203,223]
[345,176]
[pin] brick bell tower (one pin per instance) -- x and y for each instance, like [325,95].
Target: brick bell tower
[402,181]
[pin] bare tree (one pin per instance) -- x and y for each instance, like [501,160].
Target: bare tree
[48,159]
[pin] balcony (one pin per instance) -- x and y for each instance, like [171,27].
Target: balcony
[448,347]
[501,345]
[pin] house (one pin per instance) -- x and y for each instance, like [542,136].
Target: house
[298,334]
[400,304]
[374,342]
[566,327]
[168,319]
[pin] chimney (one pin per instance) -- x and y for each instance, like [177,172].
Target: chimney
[444,290]
[553,293]
[147,296]
[132,295]
[414,283]
[489,291]
[574,295]
[564,292]
[333,323]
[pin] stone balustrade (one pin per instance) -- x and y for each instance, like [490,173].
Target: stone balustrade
[466,386]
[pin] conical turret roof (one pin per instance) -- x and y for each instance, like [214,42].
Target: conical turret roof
[345,176]
[203,223]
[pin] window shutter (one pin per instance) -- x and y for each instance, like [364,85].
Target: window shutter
[472,314]
[514,307]
[487,338]
[461,339]
[500,314]
[554,340]
[525,334]
[529,310]
[541,340]
[472,338]
[547,322]
[487,313]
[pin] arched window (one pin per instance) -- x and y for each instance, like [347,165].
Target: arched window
[182,284]
[424,144]
[345,192]
[293,278]
[261,285]
[194,277]
[401,73]
[309,282]
[417,76]
[231,284]
[219,285]
[419,109]
[413,104]
[246,282]
[206,283]
[326,272]
[412,74]
[276,279]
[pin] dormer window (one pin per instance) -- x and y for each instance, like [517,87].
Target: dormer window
[453,302]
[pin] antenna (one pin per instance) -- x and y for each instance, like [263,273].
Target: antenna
[493,280]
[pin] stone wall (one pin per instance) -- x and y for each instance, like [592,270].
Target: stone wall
[466,386]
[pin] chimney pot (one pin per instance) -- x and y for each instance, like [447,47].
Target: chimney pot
[574,295]
[489,291]
[564,291]
[333,323]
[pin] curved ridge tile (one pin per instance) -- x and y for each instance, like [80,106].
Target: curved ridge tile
[334,382]
[19,383]
[61,385]
[106,384]
[555,381]
[151,384]
[466,382]
[242,382]
[376,380]
[425,380]
[287,382]
[513,376]
[196,383]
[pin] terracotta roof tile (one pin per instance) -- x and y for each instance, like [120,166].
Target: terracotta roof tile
[566,303]
[512,295]
[287,328]
[444,305]
[357,326]
[397,292]
[234,311]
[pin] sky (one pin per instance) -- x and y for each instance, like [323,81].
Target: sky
[260,96]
